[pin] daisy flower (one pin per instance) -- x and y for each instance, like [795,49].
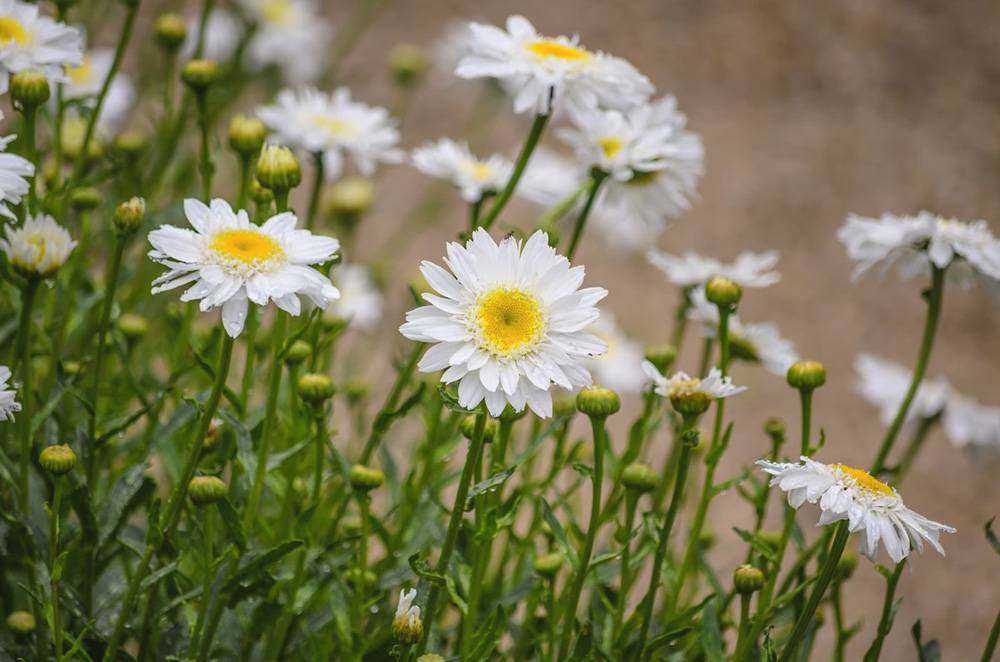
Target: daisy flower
[223,31]
[550,178]
[406,625]
[7,403]
[970,424]
[360,302]
[690,269]
[229,261]
[38,247]
[86,81]
[454,161]
[873,509]
[14,171]
[30,41]
[507,323]
[969,250]
[620,368]
[683,385]
[546,72]
[290,34]
[333,126]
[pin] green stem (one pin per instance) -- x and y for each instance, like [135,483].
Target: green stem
[253,323]
[362,584]
[744,628]
[561,208]
[23,353]
[246,177]
[706,356]
[596,179]
[206,587]
[680,319]
[930,328]
[914,447]
[805,396]
[991,642]
[764,600]
[885,622]
[522,161]
[624,583]
[205,154]
[378,431]
[838,621]
[317,188]
[823,580]
[30,117]
[322,438]
[57,634]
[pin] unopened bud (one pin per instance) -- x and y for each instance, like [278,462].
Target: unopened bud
[349,198]
[129,216]
[133,327]
[21,623]
[748,579]
[205,490]
[131,144]
[278,169]
[57,460]
[365,479]
[662,356]
[85,198]
[315,388]
[260,194]
[806,375]
[29,89]
[200,75]
[298,352]
[246,135]
[549,564]
[845,566]
[640,478]
[598,402]
[171,30]
[468,427]
[723,292]
[407,63]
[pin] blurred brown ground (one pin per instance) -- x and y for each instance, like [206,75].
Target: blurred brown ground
[808,111]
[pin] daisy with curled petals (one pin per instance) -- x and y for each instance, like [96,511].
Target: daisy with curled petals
[38,247]
[333,126]
[454,161]
[14,171]
[687,393]
[30,41]
[543,73]
[691,270]
[507,323]
[968,250]
[872,509]
[7,403]
[229,261]
[290,34]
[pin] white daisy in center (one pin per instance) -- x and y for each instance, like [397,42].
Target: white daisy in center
[7,403]
[507,323]
[454,161]
[230,261]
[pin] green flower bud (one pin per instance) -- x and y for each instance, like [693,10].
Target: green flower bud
[21,623]
[468,427]
[29,89]
[171,30]
[133,327]
[57,460]
[748,579]
[246,135]
[205,490]
[407,63]
[691,404]
[356,390]
[355,578]
[85,198]
[349,198]
[549,564]
[365,479]
[640,478]
[775,428]
[261,195]
[278,169]
[129,216]
[200,75]
[598,402]
[723,291]
[563,405]
[662,356]
[298,352]
[131,144]
[315,389]
[350,525]
[806,375]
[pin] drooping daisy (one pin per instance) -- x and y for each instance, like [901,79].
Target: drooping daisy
[38,247]
[507,323]
[7,403]
[406,624]
[690,269]
[620,368]
[229,261]
[30,41]
[86,81]
[334,126]
[291,34]
[873,509]
[14,170]
[223,30]
[543,73]
[455,162]
[969,250]
[360,302]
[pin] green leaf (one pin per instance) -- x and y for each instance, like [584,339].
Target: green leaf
[423,569]
[450,401]
[129,491]
[991,537]
[496,479]
[711,636]
[260,562]
[757,544]
[154,577]
[452,588]
[488,635]
[43,414]
[929,652]
[561,542]
[713,458]
[584,470]
[233,524]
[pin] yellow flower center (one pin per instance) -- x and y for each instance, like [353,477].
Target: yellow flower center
[545,49]
[278,12]
[865,482]
[12,30]
[510,321]
[332,125]
[611,145]
[477,169]
[81,75]
[680,387]
[247,250]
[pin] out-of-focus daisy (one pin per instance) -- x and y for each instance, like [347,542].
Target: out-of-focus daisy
[969,424]
[507,323]
[38,247]
[451,47]
[334,126]
[30,41]
[290,34]
[86,81]
[620,368]
[550,178]
[7,403]
[455,162]
[229,261]
[223,30]
[543,73]
[969,250]
[690,269]
[360,302]
[14,170]
[873,509]
[686,392]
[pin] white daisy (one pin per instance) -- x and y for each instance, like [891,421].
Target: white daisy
[683,385]
[407,614]
[334,126]
[38,247]
[542,72]
[228,260]
[14,171]
[620,368]
[508,324]
[969,250]
[290,34]
[7,403]
[360,302]
[872,508]
[550,178]
[86,81]
[223,31]
[455,162]
[690,269]
[970,424]
[30,41]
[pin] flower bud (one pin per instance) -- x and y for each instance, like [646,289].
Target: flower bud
[314,388]
[261,195]
[508,415]
[806,375]
[29,89]
[365,479]
[298,352]
[171,30]
[662,356]
[468,427]
[246,135]
[407,628]
[598,402]
[694,403]
[723,292]
[21,623]
[407,63]
[131,144]
[133,327]
[85,198]
[356,390]
[549,564]
[357,580]
[278,169]
[129,216]
[349,198]
[205,490]
[213,436]
[775,428]
[748,579]
[640,478]
[71,368]
[200,75]
[350,525]
[57,460]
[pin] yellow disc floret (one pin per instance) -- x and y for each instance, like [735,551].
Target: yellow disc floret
[81,75]
[333,126]
[509,321]
[12,30]
[247,251]
[276,12]
[544,49]
[866,483]
[611,145]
